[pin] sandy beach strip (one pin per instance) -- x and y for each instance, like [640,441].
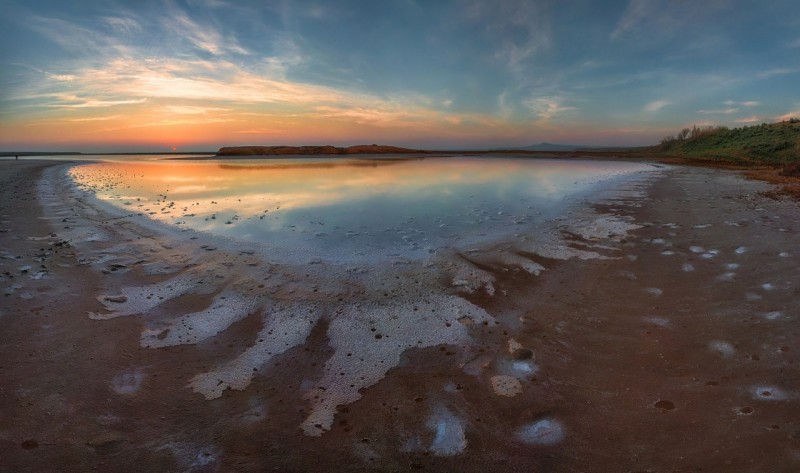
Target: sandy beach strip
[677,352]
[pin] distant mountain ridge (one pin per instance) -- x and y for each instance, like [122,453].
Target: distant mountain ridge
[545,146]
[311,150]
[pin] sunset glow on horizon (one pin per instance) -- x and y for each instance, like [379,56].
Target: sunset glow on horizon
[201,74]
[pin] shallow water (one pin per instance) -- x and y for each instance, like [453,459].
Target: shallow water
[348,209]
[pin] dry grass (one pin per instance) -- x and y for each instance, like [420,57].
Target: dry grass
[787,179]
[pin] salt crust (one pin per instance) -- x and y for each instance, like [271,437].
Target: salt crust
[412,317]
[227,308]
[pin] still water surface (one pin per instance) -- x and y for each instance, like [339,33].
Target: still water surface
[353,209]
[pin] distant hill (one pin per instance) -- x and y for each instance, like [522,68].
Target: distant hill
[770,143]
[311,150]
[544,146]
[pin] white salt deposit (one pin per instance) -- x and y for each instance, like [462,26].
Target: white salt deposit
[191,328]
[654,291]
[127,382]
[449,438]
[687,267]
[368,339]
[285,326]
[768,393]
[140,300]
[724,349]
[507,386]
[542,432]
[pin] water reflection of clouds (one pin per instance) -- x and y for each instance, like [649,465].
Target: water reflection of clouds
[318,201]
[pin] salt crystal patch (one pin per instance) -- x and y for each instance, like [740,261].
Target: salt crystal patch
[284,327]
[783,254]
[727,277]
[768,286]
[725,349]
[732,266]
[654,291]
[752,296]
[741,250]
[127,382]
[774,315]
[542,432]
[139,300]
[768,393]
[659,321]
[449,438]
[507,386]
[696,249]
[226,309]
[398,327]
[687,267]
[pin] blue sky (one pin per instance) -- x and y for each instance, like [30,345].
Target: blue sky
[153,75]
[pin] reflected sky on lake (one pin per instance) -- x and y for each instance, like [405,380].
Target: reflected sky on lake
[351,208]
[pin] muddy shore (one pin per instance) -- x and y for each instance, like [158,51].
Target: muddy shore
[676,352]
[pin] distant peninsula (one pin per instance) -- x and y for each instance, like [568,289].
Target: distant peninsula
[312,150]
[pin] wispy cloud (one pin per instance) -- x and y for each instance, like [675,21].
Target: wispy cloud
[723,111]
[95,119]
[518,28]
[547,108]
[656,105]
[778,71]
[635,13]
[746,103]
[794,44]
[204,37]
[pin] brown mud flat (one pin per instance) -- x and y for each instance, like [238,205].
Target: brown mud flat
[677,354]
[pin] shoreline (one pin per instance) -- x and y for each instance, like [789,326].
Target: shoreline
[599,364]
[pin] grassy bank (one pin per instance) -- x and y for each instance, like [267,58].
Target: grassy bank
[768,152]
[770,144]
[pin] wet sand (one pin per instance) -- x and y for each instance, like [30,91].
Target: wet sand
[676,352]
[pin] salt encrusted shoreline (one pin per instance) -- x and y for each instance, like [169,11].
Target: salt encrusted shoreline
[612,331]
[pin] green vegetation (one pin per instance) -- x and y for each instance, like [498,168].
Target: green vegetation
[774,144]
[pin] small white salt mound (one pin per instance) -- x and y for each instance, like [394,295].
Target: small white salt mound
[542,432]
[654,291]
[667,253]
[752,296]
[507,386]
[741,250]
[285,327]
[696,249]
[724,349]
[226,309]
[774,315]
[732,266]
[687,267]
[768,286]
[606,227]
[139,300]
[768,393]
[783,254]
[727,276]
[559,251]
[127,382]
[658,241]
[470,278]
[369,338]
[523,368]
[658,321]
[449,438]
[513,259]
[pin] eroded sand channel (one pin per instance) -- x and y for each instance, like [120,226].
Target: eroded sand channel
[520,352]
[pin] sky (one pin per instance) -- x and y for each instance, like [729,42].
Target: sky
[158,75]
